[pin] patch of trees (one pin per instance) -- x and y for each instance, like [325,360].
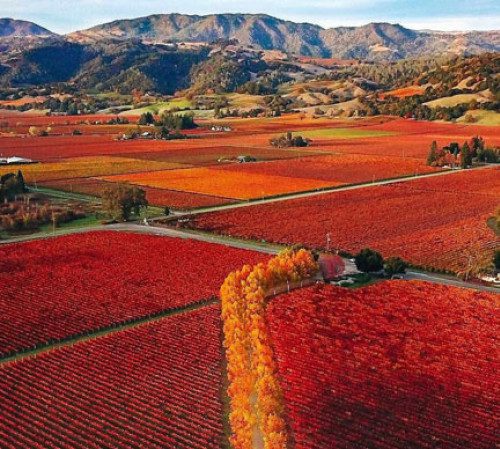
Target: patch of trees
[176,121]
[29,215]
[288,140]
[266,84]
[370,261]
[122,202]
[221,74]
[464,156]
[106,66]
[277,104]
[169,120]
[442,78]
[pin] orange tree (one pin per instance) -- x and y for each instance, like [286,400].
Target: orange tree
[256,415]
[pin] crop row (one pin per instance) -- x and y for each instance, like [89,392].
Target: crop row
[154,386]
[392,366]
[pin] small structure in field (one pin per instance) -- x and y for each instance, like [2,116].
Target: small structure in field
[15,160]
[331,266]
[245,159]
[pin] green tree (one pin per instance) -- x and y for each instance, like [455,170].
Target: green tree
[146,119]
[477,145]
[432,158]
[164,133]
[454,148]
[11,185]
[20,181]
[121,202]
[368,260]
[177,121]
[466,156]
[496,259]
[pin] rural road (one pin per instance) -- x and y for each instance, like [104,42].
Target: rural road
[447,280]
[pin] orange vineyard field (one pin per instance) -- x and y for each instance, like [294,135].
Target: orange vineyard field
[229,184]
[338,169]
[84,167]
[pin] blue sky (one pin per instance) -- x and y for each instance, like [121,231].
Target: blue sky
[69,15]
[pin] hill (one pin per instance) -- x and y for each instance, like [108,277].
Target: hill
[376,41]
[109,66]
[20,28]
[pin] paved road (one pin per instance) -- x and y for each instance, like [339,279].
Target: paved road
[448,280]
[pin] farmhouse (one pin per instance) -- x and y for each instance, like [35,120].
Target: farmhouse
[15,160]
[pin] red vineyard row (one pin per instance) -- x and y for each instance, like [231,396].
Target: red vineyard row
[155,386]
[396,365]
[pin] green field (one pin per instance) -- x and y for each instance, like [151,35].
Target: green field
[160,107]
[342,133]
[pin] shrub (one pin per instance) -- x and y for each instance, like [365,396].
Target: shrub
[395,265]
[368,260]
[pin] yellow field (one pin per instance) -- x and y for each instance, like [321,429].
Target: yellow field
[80,167]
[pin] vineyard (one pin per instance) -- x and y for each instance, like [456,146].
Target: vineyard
[396,365]
[213,237]
[154,386]
[226,184]
[57,288]
[428,222]
[338,169]
[202,170]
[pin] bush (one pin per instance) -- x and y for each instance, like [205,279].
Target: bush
[395,265]
[368,260]
[496,259]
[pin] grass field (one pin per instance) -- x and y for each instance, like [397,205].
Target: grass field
[448,102]
[160,107]
[480,117]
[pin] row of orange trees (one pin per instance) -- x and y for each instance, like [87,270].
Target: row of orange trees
[256,414]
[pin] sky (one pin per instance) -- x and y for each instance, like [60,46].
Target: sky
[63,16]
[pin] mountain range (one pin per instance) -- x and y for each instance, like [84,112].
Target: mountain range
[374,41]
